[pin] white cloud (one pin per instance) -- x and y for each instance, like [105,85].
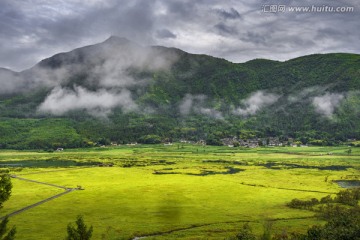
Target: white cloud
[116,59]
[327,103]
[211,113]
[255,102]
[196,103]
[99,103]
[189,102]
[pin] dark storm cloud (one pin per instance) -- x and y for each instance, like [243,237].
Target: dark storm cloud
[235,30]
[326,32]
[230,14]
[256,38]
[131,19]
[183,8]
[164,33]
[41,35]
[225,29]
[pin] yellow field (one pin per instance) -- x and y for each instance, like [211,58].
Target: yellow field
[189,192]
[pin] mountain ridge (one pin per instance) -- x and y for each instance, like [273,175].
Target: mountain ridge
[167,90]
[113,39]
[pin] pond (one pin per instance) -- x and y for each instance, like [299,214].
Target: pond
[229,170]
[44,163]
[280,166]
[348,183]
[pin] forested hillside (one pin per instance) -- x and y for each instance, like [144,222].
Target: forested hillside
[122,92]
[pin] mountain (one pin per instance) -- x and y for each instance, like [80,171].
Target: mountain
[120,91]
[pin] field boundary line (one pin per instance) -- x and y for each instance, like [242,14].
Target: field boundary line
[209,224]
[280,188]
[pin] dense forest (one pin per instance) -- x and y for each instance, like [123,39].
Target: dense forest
[118,91]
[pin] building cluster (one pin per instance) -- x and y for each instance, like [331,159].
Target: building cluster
[235,142]
[256,142]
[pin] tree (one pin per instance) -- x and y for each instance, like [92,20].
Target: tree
[342,215]
[349,151]
[80,232]
[314,233]
[150,139]
[343,225]
[214,141]
[5,188]
[3,230]
[267,230]
[245,233]
[5,192]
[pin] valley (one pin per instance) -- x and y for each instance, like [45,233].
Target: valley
[169,192]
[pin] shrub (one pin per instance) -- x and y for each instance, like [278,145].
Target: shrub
[80,232]
[245,233]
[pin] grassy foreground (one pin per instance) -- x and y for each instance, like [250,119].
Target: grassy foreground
[182,191]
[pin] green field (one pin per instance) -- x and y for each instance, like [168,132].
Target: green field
[169,192]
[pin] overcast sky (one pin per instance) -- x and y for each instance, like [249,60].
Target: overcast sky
[237,30]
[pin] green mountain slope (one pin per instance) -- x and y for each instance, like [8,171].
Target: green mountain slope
[120,91]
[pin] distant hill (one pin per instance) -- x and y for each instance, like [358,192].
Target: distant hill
[119,91]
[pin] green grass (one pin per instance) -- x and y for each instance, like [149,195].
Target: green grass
[133,201]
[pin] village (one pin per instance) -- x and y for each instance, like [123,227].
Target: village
[233,142]
[258,142]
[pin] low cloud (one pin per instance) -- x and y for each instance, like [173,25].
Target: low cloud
[304,94]
[255,102]
[111,68]
[98,103]
[189,102]
[14,82]
[196,103]
[110,64]
[9,82]
[326,104]
[211,113]
[117,59]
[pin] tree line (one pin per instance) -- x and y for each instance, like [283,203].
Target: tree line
[341,213]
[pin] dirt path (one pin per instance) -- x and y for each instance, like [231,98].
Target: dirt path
[34,181]
[61,170]
[67,190]
[38,203]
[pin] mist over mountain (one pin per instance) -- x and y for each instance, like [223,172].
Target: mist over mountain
[120,91]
